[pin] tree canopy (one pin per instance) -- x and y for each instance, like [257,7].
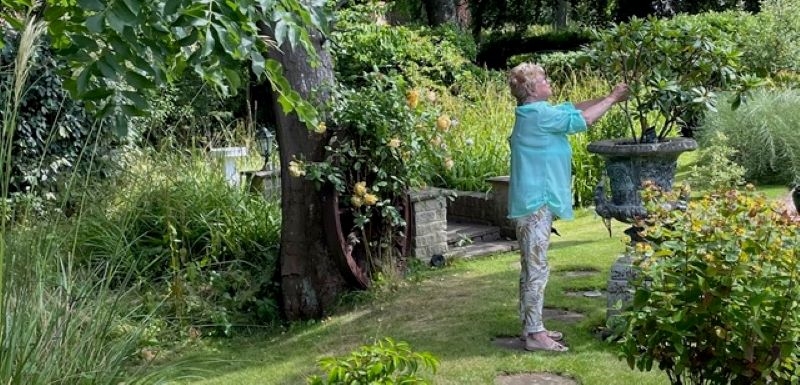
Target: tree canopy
[119,50]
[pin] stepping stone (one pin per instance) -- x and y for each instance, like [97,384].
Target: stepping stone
[510,343]
[561,315]
[589,293]
[579,273]
[534,379]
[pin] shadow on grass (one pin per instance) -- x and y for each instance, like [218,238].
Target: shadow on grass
[454,314]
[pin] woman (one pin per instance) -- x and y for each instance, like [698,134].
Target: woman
[540,188]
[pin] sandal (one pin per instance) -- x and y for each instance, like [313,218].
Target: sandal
[552,334]
[553,346]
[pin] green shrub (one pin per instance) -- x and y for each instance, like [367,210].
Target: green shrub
[715,168]
[763,132]
[774,44]
[478,144]
[384,362]
[382,143]
[189,113]
[420,55]
[210,248]
[52,131]
[715,300]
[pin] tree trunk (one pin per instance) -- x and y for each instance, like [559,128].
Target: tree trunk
[562,10]
[310,281]
[440,11]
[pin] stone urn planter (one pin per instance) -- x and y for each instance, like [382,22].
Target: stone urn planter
[628,165]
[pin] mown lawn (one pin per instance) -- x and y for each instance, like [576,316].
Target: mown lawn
[455,313]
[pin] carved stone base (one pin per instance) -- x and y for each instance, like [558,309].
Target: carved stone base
[620,292]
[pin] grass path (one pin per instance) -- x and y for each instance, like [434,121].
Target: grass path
[454,313]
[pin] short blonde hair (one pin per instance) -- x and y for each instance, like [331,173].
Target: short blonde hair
[522,78]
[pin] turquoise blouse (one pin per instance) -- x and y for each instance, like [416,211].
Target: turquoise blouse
[541,158]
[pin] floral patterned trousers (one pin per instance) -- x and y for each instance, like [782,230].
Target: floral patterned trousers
[533,234]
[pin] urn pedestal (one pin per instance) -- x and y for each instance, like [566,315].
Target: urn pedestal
[628,166]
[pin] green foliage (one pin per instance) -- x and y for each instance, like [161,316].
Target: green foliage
[67,325]
[774,43]
[119,51]
[385,139]
[673,68]
[478,144]
[560,66]
[715,168]
[59,322]
[52,132]
[189,237]
[189,114]
[420,55]
[384,362]
[715,301]
[763,132]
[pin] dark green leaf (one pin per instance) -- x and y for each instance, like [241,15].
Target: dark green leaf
[138,100]
[91,5]
[121,125]
[208,46]
[83,79]
[94,23]
[84,42]
[257,63]
[138,81]
[121,11]
[134,5]
[97,93]
[130,110]
[171,7]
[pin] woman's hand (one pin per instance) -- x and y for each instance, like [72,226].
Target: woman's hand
[620,92]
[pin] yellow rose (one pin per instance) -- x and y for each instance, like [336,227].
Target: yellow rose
[443,123]
[370,199]
[448,163]
[296,169]
[356,201]
[412,98]
[321,128]
[436,141]
[394,143]
[360,189]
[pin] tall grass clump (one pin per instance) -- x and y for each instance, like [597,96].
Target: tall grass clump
[188,236]
[478,143]
[763,133]
[59,324]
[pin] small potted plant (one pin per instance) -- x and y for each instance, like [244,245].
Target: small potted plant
[674,69]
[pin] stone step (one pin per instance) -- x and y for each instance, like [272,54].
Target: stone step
[462,233]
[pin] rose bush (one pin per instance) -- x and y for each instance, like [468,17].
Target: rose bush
[384,139]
